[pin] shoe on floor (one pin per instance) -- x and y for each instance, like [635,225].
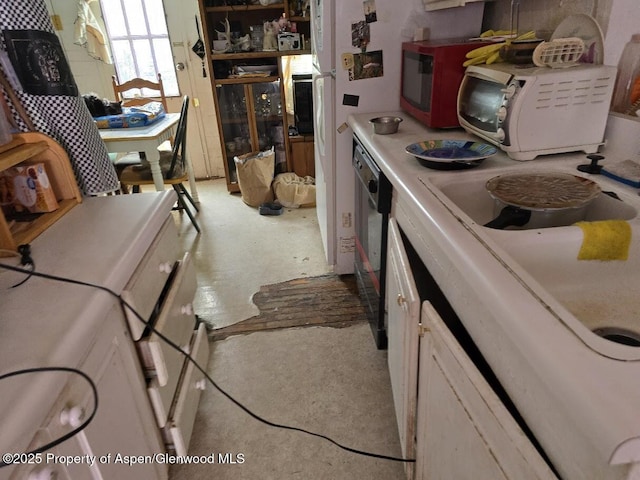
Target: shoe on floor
[270,209]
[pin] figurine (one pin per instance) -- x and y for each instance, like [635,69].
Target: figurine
[242,44]
[283,23]
[270,41]
[226,35]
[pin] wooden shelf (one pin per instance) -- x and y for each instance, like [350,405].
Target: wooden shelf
[244,80]
[260,54]
[245,8]
[32,148]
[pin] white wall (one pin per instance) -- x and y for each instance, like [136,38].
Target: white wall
[544,15]
[91,75]
[624,21]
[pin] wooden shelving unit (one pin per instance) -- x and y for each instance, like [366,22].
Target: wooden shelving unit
[30,148]
[238,99]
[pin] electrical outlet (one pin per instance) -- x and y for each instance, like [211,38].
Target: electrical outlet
[347,244]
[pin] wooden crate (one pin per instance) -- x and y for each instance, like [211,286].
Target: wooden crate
[30,148]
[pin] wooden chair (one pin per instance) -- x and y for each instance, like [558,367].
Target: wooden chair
[138,99]
[173,165]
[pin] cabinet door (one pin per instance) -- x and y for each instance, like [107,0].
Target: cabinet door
[234,124]
[269,121]
[251,119]
[403,314]
[430,5]
[123,425]
[463,429]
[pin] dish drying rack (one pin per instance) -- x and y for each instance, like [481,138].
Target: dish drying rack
[559,53]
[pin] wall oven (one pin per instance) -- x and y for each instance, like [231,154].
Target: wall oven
[372,208]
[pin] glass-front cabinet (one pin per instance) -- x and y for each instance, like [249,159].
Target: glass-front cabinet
[251,120]
[245,41]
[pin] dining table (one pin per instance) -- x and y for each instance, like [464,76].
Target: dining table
[147,139]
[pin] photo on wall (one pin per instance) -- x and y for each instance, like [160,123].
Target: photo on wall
[366,65]
[360,35]
[370,14]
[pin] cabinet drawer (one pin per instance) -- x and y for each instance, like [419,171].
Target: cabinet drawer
[146,283]
[45,469]
[176,321]
[183,415]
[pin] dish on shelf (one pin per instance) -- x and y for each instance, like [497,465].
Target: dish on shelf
[254,71]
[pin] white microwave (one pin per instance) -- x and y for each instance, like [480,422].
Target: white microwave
[529,111]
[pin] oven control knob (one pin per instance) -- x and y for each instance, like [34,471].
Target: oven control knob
[501,114]
[510,91]
[373,186]
[500,135]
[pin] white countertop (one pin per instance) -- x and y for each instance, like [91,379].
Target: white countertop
[558,375]
[49,323]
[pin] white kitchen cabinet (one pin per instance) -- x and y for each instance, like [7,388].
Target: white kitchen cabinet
[131,245]
[430,5]
[176,321]
[403,318]
[463,428]
[122,423]
[449,417]
[183,413]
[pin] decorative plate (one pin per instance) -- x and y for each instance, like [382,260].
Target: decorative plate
[447,151]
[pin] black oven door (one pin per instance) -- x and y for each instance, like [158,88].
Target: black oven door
[373,204]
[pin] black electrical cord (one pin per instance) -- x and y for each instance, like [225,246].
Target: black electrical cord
[25,260]
[169,342]
[73,432]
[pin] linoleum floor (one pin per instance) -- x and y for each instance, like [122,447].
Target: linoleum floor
[333,382]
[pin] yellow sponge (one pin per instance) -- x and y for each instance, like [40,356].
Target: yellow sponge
[605,240]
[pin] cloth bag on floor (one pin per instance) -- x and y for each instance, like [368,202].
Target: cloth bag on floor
[255,174]
[293,191]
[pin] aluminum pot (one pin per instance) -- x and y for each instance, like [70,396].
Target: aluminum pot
[540,200]
[385,125]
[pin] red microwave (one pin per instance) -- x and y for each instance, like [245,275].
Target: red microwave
[432,72]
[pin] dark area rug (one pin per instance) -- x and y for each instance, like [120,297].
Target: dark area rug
[327,300]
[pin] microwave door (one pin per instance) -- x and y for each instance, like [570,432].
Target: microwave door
[417,80]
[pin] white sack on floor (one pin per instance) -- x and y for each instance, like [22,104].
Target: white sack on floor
[293,191]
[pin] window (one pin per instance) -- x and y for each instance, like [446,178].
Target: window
[140,45]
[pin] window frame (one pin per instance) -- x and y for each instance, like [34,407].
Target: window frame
[171,86]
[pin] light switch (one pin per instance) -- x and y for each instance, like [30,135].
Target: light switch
[57,22]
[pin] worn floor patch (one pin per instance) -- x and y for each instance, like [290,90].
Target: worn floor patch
[328,300]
